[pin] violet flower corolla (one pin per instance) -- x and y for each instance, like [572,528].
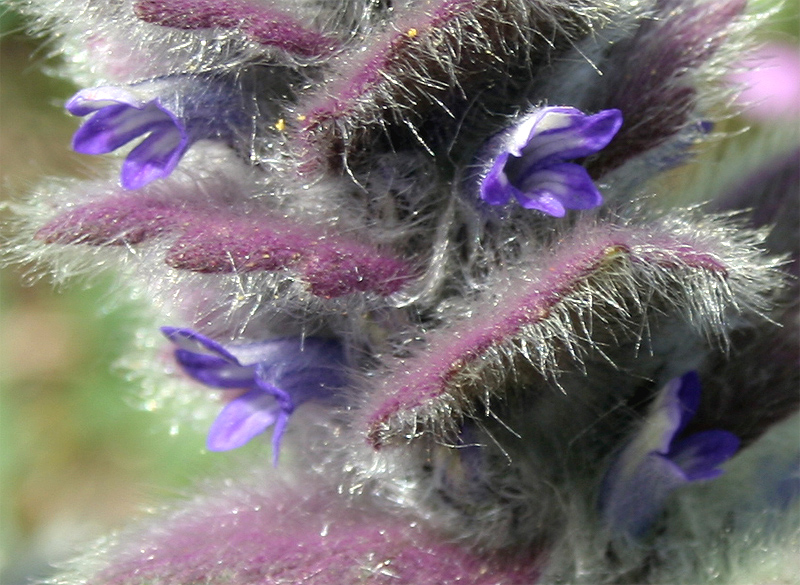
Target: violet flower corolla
[658,460]
[122,114]
[532,164]
[277,374]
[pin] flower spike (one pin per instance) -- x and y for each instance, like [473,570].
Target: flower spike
[532,165]
[363,171]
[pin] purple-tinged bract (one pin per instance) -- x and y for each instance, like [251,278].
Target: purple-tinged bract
[290,537]
[263,23]
[212,242]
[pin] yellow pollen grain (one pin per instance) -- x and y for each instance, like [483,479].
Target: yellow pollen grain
[301,117]
[280,125]
[411,33]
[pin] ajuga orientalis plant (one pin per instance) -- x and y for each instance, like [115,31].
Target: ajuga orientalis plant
[423,252]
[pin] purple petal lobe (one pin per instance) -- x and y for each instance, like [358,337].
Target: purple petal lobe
[191,340]
[277,436]
[213,371]
[566,133]
[687,398]
[542,199]
[155,158]
[93,99]
[207,361]
[495,188]
[281,396]
[563,186]
[699,455]
[115,126]
[242,419]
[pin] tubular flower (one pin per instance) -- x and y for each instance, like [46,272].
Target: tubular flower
[121,115]
[277,375]
[659,459]
[532,162]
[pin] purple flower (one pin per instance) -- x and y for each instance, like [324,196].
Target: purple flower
[659,460]
[532,161]
[277,374]
[120,115]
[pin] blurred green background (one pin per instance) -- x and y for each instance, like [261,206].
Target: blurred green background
[77,457]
